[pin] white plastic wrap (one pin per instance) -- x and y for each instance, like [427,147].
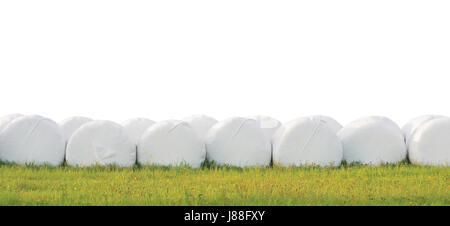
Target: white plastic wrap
[238,142]
[32,139]
[5,120]
[373,140]
[429,144]
[100,143]
[307,141]
[71,124]
[200,124]
[136,127]
[410,127]
[268,125]
[171,143]
[330,122]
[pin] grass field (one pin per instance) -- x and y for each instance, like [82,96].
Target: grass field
[400,184]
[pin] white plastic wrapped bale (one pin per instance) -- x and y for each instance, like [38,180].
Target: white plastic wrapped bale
[330,122]
[268,124]
[32,139]
[5,120]
[136,127]
[171,143]
[100,143]
[71,124]
[410,127]
[307,141]
[200,124]
[373,140]
[238,142]
[429,144]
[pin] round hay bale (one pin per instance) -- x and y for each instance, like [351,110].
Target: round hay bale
[373,140]
[136,127]
[71,124]
[171,143]
[238,142]
[307,141]
[32,139]
[429,144]
[200,124]
[100,143]
[410,127]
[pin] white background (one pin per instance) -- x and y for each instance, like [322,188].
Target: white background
[169,59]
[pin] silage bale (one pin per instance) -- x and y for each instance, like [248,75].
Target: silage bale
[268,125]
[410,127]
[100,142]
[430,143]
[171,143]
[373,140]
[32,139]
[238,142]
[136,127]
[200,124]
[334,125]
[307,141]
[71,124]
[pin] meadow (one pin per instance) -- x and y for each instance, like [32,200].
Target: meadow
[391,184]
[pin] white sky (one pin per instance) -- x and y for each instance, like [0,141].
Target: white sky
[169,59]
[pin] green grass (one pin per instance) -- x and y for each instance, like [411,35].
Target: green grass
[399,184]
